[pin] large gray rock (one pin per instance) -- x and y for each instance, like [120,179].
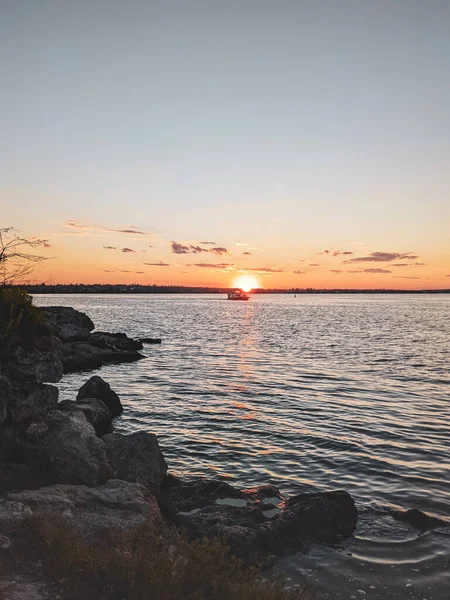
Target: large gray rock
[73,451]
[96,387]
[136,457]
[28,400]
[98,415]
[119,341]
[67,323]
[105,510]
[31,364]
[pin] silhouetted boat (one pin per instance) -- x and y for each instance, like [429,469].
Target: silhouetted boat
[238,295]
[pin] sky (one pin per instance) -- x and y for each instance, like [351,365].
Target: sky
[304,143]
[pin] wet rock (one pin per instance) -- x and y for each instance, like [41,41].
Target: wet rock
[214,508]
[97,414]
[136,458]
[72,450]
[418,519]
[326,517]
[149,340]
[186,494]
[119,341]
[102,511]
[83,356]
[67,323]
[96,387]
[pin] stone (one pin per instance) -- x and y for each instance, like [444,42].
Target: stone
[101,511]
[72,450]
[96,387]
[418,519]
[29,400]
[148,340]
[119,341]
[257,523]
[97,414]
[5,542]
[136,457]
[83,356]
[67,323]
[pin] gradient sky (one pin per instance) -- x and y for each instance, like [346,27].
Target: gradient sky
[286,132]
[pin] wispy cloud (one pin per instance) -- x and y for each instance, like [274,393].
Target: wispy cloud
[246,254]
[373,270]
[382,257]
[110,247]
[158,264]
[335,271]
[82,225]
[128,250]
[208,243]
[342,252]
[299,272]
[417,264]
[178,248]
[213,266]
[265,270]
[314,265]
[404,277]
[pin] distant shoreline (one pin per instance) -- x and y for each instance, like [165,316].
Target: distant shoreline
[79,288]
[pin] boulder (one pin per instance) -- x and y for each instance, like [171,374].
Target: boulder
[119,341]
[137,458]
[28,400]
[257,524]
[67,323]
[418,519]
[31,364]
[324,517]
[83,356]
[102,511]
[96,387]
[72,450]
[97,414]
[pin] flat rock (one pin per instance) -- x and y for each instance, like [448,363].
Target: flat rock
[96,387]
[119,341]
[83,356]
[112,507]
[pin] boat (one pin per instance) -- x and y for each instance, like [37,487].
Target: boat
[238,295]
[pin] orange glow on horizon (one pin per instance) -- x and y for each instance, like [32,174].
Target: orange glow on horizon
[246,283]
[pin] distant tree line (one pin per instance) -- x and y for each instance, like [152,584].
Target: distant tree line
[135,288]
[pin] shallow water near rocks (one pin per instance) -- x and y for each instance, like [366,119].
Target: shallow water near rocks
[316,392]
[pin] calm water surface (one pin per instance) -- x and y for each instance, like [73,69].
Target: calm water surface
[309,393]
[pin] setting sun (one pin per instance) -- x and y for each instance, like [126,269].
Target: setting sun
[246,283]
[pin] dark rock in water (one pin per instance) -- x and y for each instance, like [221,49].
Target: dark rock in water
[137,458]
[120,341]
[148,340]
[96,387]
[101,512]
[214,508]
[72,450]
[98,415]
[327,517]
[83,356]
[418,519]
[67,323]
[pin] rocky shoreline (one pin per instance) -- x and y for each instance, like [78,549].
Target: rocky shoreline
[64,460]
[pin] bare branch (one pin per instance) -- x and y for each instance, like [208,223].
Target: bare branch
[15,262]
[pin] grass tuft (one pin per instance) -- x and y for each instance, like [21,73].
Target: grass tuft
[147,564]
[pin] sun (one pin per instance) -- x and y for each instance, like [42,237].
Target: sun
[246,283]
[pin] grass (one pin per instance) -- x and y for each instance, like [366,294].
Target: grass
[146,564]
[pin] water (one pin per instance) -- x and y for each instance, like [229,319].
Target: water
[309,393]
